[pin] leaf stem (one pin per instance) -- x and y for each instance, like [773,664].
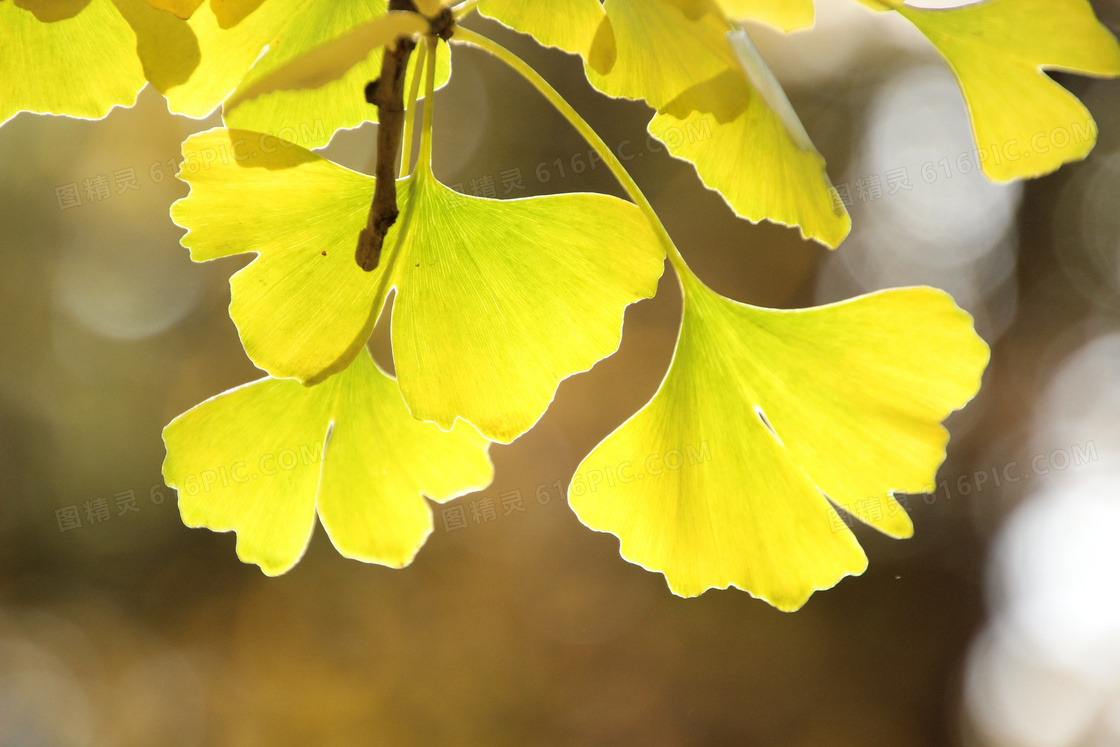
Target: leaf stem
[464,8]
[410,110]
[467,36]
[422,171]
[429,94]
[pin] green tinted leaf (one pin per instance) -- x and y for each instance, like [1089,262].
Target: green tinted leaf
[304,308]
[72,57]
[315,113]
[721,108]
[497,301]
[197,63]
[1025,123]
[697,485]
[331,61]
[265,458]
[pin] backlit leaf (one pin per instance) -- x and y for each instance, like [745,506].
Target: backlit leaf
[331,61]
[181,8]
[315,113]
[497,300]
[1025,124]
[264,459]
[196,63]
[570,25]
[71,57]
[704,76]
[787,15]
[721,479]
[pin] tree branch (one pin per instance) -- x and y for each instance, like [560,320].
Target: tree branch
[387,94]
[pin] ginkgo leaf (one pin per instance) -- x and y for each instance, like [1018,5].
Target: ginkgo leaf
[496,302]
[73,58]
[82,58]
[1025,123]
[665,48]
[720,480]
[571,25]
[304,308]
[196,63]
[333,102]
[721,108]
[181,8]
[263,459]
[331,61]
[788,15]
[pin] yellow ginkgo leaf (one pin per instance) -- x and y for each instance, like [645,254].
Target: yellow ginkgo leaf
[334,59]
[196,63]
[229,47]
[279,98]
[571,25]
[181,8]
[721,479]
[304,308]
[1025,123]
[665,48]
[76,58]
[497,300]
[721,108]
[724,152]
[788,15]
[265,458]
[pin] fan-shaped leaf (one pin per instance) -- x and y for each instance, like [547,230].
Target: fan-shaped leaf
[721,479]
[721,108]
[497,301]
[570,25]
[71,58]
[265,458]
[1025,123]
[317,108]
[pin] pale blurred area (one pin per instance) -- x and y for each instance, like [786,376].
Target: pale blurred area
[997,625]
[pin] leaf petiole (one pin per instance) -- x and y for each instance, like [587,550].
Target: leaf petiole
[410,110]
[466,36]
[425,159]
[464,8]
[423,165]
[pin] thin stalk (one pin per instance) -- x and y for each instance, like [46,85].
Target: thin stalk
[410,109]
[467,36]
[422,172]
[429,94]
[463,8]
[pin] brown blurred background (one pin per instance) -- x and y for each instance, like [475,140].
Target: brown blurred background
[998,624]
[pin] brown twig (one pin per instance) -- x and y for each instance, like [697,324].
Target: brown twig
[387,94]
